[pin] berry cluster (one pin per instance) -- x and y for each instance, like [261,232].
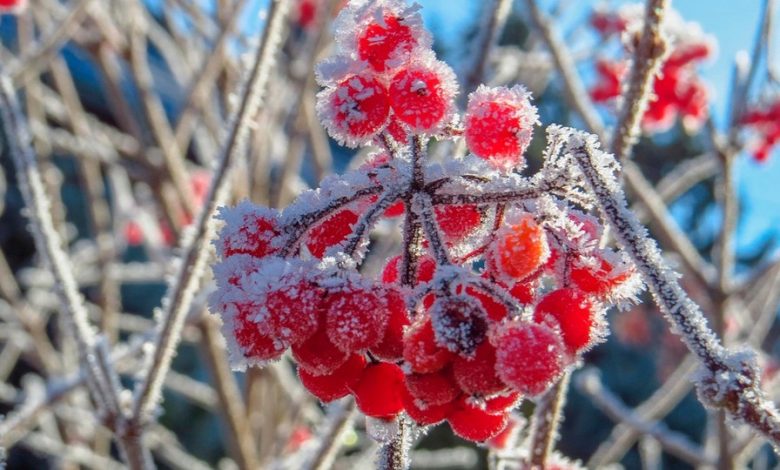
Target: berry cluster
[499,287]
[765,121]
[678,89]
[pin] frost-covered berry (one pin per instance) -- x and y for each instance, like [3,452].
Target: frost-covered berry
[503,402]
[425,414]
[356,317]
[391,347]
[458,221]
[420,349]
[435,388]
[471,422]
[572,311]
[318,355]
[355,110]
[604,276]
[335,385]
[426,267]
[252,344]
[291,313]
[520,249]
[379,391]
[499,124]
[249,229]
[507,436]
[459,324]
[528,357]
[477,375]
[422,94]
[387,39]
[331,232]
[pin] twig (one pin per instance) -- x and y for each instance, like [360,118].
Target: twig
[646,62]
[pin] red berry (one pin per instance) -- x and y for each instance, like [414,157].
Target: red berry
[385,41]
[470,422]
[251,342]
[424,414]
[248,229]
[426,266]
[331,232]
[477,375]
[494,308]
[499,124]
[356,318]
[379,391]
[602,279]
[502,403]
[435,388]
[459,324]
[335,385]
[456,221]
[318,355]
[420,348]
[528,357]
[292,312]
[391,348]
[506,437]
[523,291]
[572,312]
[421,95]
[355,110]
[521,249]
[397,131]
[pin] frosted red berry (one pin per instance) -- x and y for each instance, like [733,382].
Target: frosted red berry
[421,351]
[477,375]
[384,43]
[391,347]
[318,355]
[502,402]
[473,423]
[335,385]
[435,388]
[248,229]
[572,311]
[253,344]
[331,232]
[355,110]
[499,124]
[601,278]
[379,391]
[459,324]
[291,312]
[528,357]
[426,267]
[458,221]
[521,248]
[422,94]
[356,317]
[425,414]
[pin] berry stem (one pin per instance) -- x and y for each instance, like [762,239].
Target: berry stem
[547,417]
[394,455]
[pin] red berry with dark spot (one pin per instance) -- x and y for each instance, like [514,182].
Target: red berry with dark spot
[459,324]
